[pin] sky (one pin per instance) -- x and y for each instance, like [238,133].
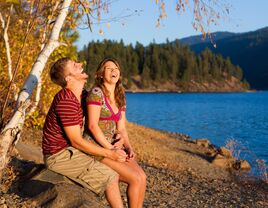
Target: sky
[135,21]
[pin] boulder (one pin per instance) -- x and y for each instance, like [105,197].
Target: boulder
[49,189]
[202,142]
[222,161]
[225,152]
[30,152]
[241,165]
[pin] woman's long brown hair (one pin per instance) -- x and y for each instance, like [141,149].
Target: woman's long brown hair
[119,92]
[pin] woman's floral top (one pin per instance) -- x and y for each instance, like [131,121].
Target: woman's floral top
[108,117]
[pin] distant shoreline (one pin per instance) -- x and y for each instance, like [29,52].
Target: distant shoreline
[178,91]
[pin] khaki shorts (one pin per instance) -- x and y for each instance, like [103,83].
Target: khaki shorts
[81,168]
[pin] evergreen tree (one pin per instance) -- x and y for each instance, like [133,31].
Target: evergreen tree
[169,62]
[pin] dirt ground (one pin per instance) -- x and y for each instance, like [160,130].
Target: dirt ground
[179,173]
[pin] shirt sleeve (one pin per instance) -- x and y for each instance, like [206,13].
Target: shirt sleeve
[95,97]
[68,112]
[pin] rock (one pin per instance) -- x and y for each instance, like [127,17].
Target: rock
[2,201]
[225,152]
[67,195]
[30,152]
[244,165]
[49,189]
[241,165]
[222,161]
[202,142]
[211,153]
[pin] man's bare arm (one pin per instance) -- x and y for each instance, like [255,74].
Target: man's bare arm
[74,135]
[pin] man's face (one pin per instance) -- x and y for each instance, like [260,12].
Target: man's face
[75,71]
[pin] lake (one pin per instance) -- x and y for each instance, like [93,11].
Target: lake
[216,116]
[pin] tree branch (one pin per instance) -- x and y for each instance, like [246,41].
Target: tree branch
[7,46]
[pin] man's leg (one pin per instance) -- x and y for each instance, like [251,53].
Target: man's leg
[88,172]
[113,195]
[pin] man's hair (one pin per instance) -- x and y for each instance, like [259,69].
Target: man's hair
[57,71]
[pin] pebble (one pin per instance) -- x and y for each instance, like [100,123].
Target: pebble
[2,201]
[166,188]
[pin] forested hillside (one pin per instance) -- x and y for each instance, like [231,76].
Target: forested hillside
[197,39]
[166,67]
[248,50]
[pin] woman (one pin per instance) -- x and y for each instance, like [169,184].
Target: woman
[106,118]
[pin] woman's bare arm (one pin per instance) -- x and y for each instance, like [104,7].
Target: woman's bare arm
[121,128]
[93,120]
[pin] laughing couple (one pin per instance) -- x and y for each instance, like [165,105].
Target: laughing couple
[100,156]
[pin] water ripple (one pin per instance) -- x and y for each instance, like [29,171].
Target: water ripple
[217,116]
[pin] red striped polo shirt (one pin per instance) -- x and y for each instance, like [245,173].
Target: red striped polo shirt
[64,111]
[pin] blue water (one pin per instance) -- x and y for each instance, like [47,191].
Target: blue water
[216,116]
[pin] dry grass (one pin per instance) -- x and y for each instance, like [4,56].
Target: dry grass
[162,150]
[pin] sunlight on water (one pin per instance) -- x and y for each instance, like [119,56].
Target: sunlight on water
[216,116]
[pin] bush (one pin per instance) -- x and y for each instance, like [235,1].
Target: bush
[35,120]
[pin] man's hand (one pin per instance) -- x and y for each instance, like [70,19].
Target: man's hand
[118,155]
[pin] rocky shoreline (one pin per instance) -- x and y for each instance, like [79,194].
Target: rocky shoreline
[180,173]
[179,91]
[226,85]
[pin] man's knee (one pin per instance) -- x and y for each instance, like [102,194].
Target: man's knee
[114,182]
[100,177]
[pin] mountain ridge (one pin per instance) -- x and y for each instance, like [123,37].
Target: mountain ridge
[246,49]
[196,39]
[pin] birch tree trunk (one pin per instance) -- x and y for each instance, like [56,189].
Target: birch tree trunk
[11,132]
[5,25]
[39,85]
[37,97]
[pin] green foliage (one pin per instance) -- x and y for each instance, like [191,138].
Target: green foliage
[35,120]
[158,63]
[32,19]
[11,1]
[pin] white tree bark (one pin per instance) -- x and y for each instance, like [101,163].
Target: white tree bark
[39,85]
[41,60]
[5,25]
[10,135]
[37,97]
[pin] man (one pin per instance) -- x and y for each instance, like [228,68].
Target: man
[64,149]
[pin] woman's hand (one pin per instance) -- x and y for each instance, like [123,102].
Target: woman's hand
[130,153]
[119,142]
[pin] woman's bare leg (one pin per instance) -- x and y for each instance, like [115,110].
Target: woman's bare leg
[142,176]
[132,174]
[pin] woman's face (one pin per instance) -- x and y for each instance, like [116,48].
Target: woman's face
[111,73]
